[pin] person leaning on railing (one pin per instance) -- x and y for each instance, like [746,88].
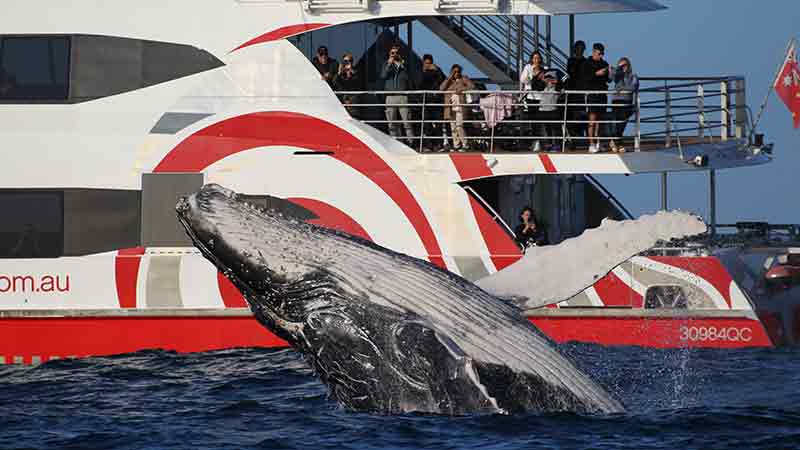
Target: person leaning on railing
[455,102]
[626,84]
[395,77]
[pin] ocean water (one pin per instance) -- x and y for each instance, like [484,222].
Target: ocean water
[269,399]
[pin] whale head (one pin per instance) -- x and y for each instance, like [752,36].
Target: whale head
[262,251]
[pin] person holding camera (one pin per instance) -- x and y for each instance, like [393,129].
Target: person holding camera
[395,77]
[454,87]
[626,84]
[529,232]
[347,79]
[532,80]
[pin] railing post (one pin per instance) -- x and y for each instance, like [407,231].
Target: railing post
[701,114]
[725,114]
[536,33]
[663,191]
[667,117]
[712,201]
[741,112]
[637,140]
[564,124]
[422,123]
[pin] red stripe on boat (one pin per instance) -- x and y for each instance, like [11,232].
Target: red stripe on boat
[549,167]
[126,274]
[502,248]
[470,166]
[281,33]
[231,296]
[657,332]
[96,336]
[615,292]
[331,217]
[280,128]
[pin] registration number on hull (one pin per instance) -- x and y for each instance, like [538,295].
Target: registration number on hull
[704,334]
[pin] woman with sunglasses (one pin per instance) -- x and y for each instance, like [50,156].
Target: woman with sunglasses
[347,79]
[626,84]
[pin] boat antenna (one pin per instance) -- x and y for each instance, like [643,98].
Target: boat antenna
[789,48]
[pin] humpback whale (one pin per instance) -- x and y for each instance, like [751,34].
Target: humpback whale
[386,332]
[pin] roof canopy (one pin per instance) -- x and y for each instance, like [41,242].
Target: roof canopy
[560,7]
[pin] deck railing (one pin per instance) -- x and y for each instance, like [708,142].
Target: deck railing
[666,112]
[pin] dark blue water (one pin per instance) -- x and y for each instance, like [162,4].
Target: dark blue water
[257,398]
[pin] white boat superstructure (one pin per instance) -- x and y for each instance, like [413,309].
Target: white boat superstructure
[109,113]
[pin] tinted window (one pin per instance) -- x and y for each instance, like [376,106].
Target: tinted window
[665,297]
[34,68]
[31,224]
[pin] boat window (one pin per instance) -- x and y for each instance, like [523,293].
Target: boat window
[34,68]
[32,224]
[160,194]
[100,220]
[107,65]
[669,296]
[79,68]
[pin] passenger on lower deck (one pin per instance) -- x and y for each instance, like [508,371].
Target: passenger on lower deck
[325,65]
[431,80]
[395,78]
[529,232]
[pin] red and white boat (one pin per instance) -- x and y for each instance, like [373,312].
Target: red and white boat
[109,113]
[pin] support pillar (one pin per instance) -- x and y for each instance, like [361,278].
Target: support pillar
[548,28]
[571,33]
[712,201]
[664,191]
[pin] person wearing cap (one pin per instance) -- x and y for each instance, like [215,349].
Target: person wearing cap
[626,84]
[597,72]
[576,81]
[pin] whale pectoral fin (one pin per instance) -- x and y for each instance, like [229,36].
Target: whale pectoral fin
[434,363]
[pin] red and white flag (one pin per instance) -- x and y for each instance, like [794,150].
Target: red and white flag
[787,85]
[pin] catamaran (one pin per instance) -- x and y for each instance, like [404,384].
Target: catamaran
[110,113]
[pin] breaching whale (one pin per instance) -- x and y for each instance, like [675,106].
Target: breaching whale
[386,332]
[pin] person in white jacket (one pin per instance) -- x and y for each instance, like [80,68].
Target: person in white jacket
[532,80]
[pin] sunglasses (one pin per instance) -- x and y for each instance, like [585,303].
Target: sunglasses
[347,60]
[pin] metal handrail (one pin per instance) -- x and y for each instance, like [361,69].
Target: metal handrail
[732,120]
[495,215]
[608,195]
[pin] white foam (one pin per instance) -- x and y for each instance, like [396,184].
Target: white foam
[550,274]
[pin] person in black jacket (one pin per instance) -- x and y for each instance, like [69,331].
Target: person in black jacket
[430,80]
[529,232]
[346,79]
[576,81]
[597,75]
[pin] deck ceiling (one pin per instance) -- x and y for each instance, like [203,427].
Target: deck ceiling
[561,7]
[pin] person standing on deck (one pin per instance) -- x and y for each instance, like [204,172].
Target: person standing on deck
[626,84]
[326,66]
[597,73]
[455,85]
[532,79]
[576,81]
[395,77]
[431,80]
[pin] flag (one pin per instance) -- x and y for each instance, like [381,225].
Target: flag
[787,85]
